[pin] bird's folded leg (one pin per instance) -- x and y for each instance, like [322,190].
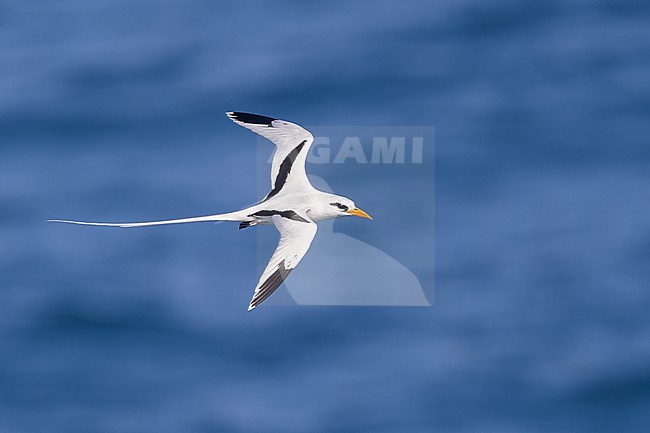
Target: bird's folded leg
[246,224]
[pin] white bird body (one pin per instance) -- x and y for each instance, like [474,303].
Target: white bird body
[293,205]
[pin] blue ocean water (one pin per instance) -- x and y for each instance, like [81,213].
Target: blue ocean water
[114,110]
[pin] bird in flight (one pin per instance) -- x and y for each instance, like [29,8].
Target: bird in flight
[293,205]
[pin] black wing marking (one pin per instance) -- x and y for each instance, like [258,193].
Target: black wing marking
[270,285]
[289,214]
[285,169]
[254,119]
[291,141]
[284,214]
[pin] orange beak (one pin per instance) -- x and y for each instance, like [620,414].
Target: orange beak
[358,212]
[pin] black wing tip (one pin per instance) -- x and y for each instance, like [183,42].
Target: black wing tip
[251,118]
[274,281]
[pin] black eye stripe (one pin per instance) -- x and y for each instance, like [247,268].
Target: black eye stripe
[340,206]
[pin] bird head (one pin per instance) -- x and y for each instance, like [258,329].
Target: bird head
[343,206]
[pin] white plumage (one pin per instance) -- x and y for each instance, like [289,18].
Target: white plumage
[293,205]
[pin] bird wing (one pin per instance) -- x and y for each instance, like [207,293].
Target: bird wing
[292,146]
[295,238]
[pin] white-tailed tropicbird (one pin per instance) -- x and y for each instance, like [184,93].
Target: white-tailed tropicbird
[293,205]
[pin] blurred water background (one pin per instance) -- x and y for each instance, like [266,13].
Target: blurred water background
[114,110]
